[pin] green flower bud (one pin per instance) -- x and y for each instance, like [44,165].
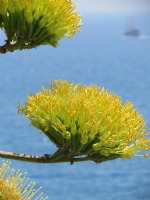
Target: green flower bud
[84,139]
[67,135]
[73,129]
[28,15]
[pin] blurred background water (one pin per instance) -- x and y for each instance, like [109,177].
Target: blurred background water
[101,56]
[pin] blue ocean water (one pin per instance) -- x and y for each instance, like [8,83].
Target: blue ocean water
[101,56]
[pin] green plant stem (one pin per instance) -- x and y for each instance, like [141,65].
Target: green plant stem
[60,156]
[32,158]
[73,160]
[7,47]
[2,51]
[57,157]
[18,156]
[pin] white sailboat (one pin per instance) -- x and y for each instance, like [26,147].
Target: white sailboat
[132,30]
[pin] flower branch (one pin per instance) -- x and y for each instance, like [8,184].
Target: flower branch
[86,123]
[60,156]
[28,24]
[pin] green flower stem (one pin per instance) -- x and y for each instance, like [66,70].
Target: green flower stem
[61,156]
[32,158]
[11,47]
[73,160]
[95,159]
[18,156]
[2,50]
[57,157]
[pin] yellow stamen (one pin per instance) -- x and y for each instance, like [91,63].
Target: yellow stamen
[14,186]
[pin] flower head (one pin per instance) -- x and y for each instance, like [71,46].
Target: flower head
[30,23]
[13,185]
[87,120]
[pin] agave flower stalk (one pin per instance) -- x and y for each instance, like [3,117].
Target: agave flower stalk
[30,23]
[85,123]
[14,185]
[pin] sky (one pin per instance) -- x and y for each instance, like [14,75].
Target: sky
[113,5]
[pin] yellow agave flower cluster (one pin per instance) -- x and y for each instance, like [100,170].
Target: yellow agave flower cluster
[13,186]
[30,23]
[87,120]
